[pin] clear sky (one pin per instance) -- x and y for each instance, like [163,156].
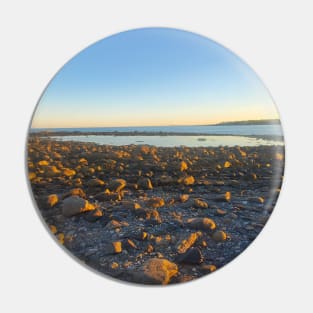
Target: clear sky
[153,76]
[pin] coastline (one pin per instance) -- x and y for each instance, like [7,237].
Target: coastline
[146,133]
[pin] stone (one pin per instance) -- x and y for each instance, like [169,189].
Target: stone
[199,203]
[183,166]
[155,202]
[201,223]
[184,197]
[159,271]
[68,172]
[219,236]
[185,243]
[227,164]
[95,182]
[145,183]
[93,216]
[117,185]
[189,180]
[191,256]
[75,205]
[52,200]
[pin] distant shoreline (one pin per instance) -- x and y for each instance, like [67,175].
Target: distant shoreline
[143,133]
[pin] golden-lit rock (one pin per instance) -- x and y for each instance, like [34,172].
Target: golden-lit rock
[52,200]
[201,223]
[184,197]
[189,180]
[227,195]
[53,229]
[199,203]
[183,166]
[185,243]
[61,237]
[31,175]
[95,182]
[227,164]
[114,265]
[117,246]
[43,163]
[159,271]
[69,172]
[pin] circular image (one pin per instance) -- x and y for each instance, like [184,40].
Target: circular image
[155,156]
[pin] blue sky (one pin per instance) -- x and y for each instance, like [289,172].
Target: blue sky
[153,76]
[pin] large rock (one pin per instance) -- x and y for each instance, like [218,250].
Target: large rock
[158,271]
[75,205]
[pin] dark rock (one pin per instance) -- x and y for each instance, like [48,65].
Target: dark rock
[191,256]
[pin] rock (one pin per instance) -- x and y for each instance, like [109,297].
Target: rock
[227,164]
[183,166]
[219,236]
[108,196]
[117,185]
[53,229]
[220,212]
[191,256]
[112,248]
[75,205]
[189,180]
[117,246]
[130,205]
[31,175]
[69,172]
[75,192]
[159,271]
[145,183]
[153,216]
[95,182]
[93,216]
[185,243]
[43,163]
[201,223]
[184,197]
[52,200]
[155,202]
[199,203]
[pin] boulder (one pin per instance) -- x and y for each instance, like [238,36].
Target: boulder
[75,205]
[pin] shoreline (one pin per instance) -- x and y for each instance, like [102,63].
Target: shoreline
[49,134]
[125,209]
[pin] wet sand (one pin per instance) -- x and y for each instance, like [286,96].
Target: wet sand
[154,215]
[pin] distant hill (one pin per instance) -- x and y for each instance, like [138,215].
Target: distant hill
[250,122]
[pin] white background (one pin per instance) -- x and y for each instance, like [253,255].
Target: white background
[274,37]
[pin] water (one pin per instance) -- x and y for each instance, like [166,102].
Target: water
[210,130]
[171,141]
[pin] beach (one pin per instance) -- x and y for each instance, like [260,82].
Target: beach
[152,214]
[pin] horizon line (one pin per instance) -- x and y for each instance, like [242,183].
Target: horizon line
[211,124]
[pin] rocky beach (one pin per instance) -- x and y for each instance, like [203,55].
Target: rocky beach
[154,215]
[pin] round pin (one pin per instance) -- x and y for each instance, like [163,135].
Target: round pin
[155,156]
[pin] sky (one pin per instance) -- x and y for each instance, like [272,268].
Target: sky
[153,77]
